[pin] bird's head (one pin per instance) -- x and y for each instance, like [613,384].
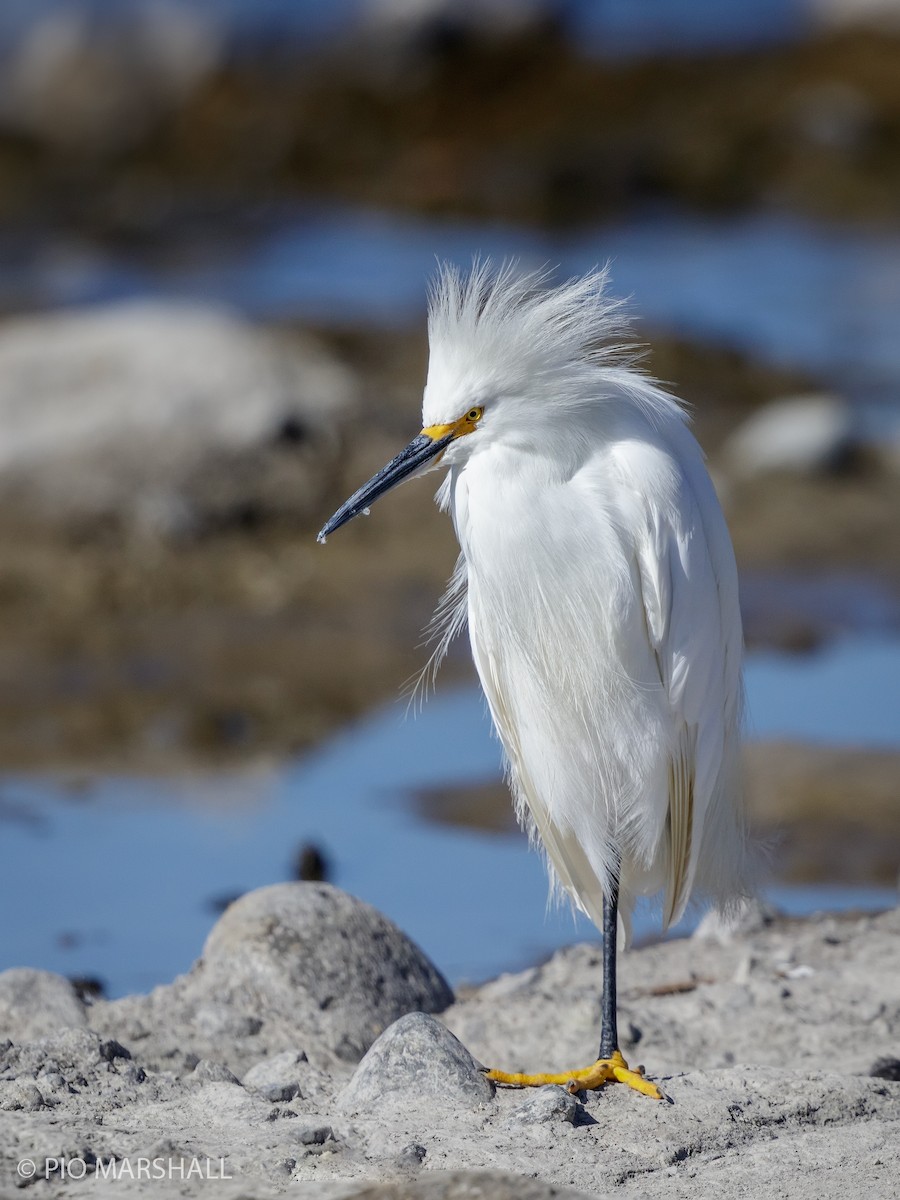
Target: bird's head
[511,362]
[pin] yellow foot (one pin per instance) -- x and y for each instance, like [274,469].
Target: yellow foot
[604,1070]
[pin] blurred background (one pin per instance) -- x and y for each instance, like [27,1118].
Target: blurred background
[217,222]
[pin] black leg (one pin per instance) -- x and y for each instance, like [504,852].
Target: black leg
[609,1033]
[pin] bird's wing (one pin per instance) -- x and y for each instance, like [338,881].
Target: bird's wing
[568,859]
[689,592]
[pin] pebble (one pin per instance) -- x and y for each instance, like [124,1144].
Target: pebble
[547,1105]
[207,1071]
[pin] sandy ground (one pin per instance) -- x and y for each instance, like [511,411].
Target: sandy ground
[777,1046]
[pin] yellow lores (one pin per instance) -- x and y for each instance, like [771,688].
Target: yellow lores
[456,429]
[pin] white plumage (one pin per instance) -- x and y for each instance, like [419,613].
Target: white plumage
[600,588]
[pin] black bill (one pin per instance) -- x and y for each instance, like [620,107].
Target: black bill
[419,451]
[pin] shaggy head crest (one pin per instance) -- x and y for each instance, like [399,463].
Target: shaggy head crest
[512,322]
[504,331]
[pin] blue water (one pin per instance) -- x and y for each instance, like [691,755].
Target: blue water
[608,28]
[117,882]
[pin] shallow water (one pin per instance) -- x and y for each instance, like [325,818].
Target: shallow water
[609,28]
[116,878]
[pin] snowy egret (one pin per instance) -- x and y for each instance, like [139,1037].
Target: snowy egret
[599,584]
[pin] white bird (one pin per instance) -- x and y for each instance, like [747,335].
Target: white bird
[599,584]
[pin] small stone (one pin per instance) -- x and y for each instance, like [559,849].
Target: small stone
[551,1104]
[886,1068]
[285,1076]
[416,1059]
[110,1050]
[316,1135]
[51,1079]
[37,1004]
[207,1071]
[411,1155]
[21,1097]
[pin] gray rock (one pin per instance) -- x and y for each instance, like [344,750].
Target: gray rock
[24,1097]
[547,1105]
[165,417]
[300,967]
[799,434]
[95,86]
[207,1071]
[320,962]
[886,1068]
[35,1004]
[315,1135]
[411,1155]
[287,1076]
[417,1060]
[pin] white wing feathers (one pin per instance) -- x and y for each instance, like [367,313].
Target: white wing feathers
[684,586]
[680,628]
[569,860]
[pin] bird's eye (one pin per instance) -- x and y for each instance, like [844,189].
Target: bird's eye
[474,414]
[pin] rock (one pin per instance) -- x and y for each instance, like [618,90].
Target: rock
[309,954]
[21,1097]
[299,967]
[315,1135]
[207,1071]
[546,1106]
[93,86]
[164,417]
[747,1058]
[36,1004]
[416,1061]
[286,1076]
[800,434]
[886,1068]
